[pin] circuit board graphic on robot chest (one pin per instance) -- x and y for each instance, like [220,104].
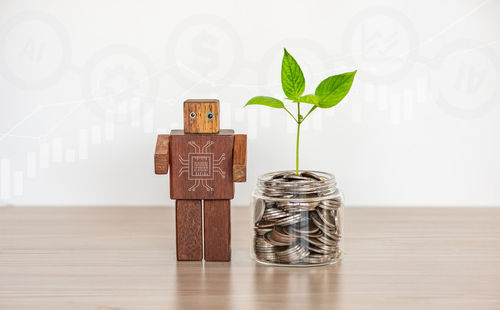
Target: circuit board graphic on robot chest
[201,165]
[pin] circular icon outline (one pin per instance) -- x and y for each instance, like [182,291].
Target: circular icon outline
[201,19]
[404,21]
[450,49]
[109,51]
[58,29]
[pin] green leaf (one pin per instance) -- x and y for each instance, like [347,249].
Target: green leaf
[267,101]
[334,88]
[312,99]
[292,78]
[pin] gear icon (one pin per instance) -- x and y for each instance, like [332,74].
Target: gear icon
[118,86]
[119,79]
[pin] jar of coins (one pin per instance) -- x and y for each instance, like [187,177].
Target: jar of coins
[297,219]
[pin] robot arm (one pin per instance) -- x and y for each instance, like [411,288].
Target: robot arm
[240,158]
[161,154]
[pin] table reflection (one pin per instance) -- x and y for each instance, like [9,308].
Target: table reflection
[292,287]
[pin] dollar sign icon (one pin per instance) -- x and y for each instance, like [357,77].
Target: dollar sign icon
[204,49]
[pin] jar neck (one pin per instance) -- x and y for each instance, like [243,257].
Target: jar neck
[271,185]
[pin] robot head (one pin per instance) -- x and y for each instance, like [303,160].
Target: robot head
[201,116]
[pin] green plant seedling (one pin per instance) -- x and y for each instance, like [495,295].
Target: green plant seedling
[327,94]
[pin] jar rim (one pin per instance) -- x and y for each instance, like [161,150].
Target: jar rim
[329,177]
[326,188]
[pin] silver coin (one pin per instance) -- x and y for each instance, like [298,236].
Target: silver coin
[313,241]
[262,231]
[259,209]
[327,240]
[294,177]
[304,228]
[269,238]
[330,204]
[339,214]
[291,254]
[281,235]
[316,259]
[299,206]
[327,218]
[263,224]
[271,214]
[311,175]
[289,220]
[324,228]
[319,250]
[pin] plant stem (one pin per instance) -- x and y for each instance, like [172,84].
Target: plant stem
[291,114]
[312,109]
[297,151]
[298,135]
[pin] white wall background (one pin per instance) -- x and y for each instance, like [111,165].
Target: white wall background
[86,86]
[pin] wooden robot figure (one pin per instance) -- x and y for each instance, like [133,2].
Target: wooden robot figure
[204,164]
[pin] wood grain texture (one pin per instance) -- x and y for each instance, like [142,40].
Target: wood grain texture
[124,258]
[217,230]
[162,154]
[200,123]
[188,220]
[240,158]
[201,165]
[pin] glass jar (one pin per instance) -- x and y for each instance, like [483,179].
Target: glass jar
[297,219]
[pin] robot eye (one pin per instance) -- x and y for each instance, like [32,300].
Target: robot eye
[210,115]
[192,115]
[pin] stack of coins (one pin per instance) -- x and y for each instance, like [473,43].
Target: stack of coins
[297,219]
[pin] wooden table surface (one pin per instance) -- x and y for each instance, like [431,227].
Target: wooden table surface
[124,258]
